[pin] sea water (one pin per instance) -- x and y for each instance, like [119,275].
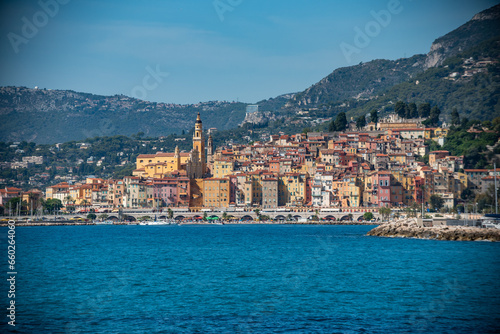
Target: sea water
[248,279]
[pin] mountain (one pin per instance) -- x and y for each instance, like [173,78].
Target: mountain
[49,116]
[361,81]
[483,26]
[441,77]
[468,82]
[352,87]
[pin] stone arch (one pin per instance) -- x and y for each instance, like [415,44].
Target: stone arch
[247,217]
[330,217]
[179,218]
[280,217]
[346,217]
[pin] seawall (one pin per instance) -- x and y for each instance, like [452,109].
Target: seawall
[410,229]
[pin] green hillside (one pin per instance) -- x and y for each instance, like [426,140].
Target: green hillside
[49,116]
[448,86]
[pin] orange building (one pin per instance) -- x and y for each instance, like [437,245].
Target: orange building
[216,193]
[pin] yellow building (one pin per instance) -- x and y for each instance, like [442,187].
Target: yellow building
[398,157]
[255,184]
[216,193]
[292,189]
[407,182]
[350,192]
[222,168]
[162,164]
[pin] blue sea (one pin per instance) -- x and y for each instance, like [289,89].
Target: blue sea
[248,279]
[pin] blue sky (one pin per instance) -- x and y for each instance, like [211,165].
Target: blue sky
[182,51]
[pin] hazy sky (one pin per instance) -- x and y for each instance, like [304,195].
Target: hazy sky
[187,51]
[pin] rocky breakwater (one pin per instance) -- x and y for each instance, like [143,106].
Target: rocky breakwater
[411,229]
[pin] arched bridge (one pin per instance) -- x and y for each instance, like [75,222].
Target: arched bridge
[296,215]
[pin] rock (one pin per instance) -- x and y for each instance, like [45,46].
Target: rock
[409,229]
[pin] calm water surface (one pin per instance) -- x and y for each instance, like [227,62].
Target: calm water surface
[249,279]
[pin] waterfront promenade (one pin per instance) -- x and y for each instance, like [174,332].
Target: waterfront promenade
[297,215]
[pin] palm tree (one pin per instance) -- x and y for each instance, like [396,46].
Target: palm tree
[103,216]
[257,212]
[85,203]
[170,213]
[224,215]
[384,212]
[31,199]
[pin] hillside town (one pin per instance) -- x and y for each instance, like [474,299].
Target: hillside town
[379,166]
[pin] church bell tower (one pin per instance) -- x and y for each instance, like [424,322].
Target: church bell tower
[199,142]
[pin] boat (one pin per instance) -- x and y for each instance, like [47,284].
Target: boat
[159,222]
[105,222]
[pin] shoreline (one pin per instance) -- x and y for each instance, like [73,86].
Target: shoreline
[410,229]
[251,222]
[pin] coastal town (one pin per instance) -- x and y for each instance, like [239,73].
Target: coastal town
[359,170]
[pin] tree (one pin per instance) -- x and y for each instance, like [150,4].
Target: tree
[374,116]
[467,194]
[331,126]
[455,117]
[91,216]
[85,203]
[224,215]
[424,110]
[433,119]
[400,109]
[170,213]
[205,216]
[361,122]
[411,111]
[340,122]
[103,217]
[437,202]
[368,216]
[257,213]
[385,212]
[52,205]
[15,205]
